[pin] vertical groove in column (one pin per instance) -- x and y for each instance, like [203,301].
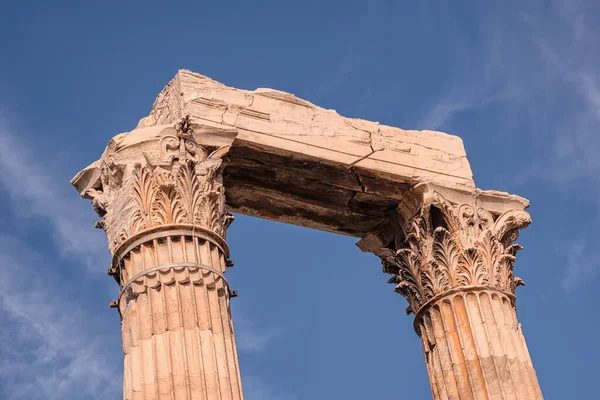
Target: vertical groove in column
[196,287]
[495,343]
[532,377]
[483,347]
[220,292]
[516,371]
[434,359]
[235,365]
[217,330]
[154,348]
[475,350]
[209,334]
[136,348]
[144,320]
[443,353]
[174,324]
[431,357]
[427,351]
[455,349]
[469,348]
[205,333]
[146,359]
[189,325]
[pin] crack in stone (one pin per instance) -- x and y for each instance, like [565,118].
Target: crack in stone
[359,160]
[353,171]
[358,181]
[371,140]
[373,151]
[223,115]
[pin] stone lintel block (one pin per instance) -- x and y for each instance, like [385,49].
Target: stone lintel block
[269,133]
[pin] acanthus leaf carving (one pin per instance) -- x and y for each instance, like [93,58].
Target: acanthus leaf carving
[189,187]
[181,183]
[144,190]
[409,283]
[167,207]
[446,253]
[448,246]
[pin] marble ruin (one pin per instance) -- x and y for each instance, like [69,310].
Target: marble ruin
[165,190]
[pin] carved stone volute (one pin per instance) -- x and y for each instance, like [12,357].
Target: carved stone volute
[447,246]
[164,177]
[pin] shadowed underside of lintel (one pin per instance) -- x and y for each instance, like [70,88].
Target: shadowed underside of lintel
[292,161]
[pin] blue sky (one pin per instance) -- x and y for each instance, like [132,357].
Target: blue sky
[315,319]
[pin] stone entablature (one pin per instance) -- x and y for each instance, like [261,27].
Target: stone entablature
[289,160]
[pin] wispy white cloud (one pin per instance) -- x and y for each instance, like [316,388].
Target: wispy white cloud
[47,349]
[258,389]
[492,72]
[36,191]
[249,337]
[574,160]
[251,341]
[582,263]
[457,101]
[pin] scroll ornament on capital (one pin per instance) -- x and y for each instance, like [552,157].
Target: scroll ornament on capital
[183,185]
[447,246]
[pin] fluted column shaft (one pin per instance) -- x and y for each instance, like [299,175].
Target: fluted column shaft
[178,337]
[474,348]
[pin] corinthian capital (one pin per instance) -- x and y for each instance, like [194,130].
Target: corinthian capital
[454,241]
[154,177]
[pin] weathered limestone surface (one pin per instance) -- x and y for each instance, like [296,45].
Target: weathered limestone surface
[451,255]
[163,192]
[292,161]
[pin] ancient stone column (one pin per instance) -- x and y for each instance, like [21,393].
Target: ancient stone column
[163,206]
[452,260]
